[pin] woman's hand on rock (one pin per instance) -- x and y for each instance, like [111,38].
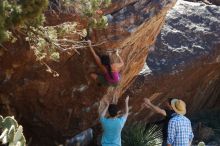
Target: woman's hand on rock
[89,42]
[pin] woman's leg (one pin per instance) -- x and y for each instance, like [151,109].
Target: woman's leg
[99,78]
[94,76]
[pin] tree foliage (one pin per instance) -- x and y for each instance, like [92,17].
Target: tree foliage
[16,14]
[91,9]
[27,17]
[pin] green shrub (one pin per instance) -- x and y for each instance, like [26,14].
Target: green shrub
[136,135]
[15,14]
[26,17]
[12,133]
[92,11]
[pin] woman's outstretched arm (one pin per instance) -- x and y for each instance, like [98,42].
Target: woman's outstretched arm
[121,60]
[120,64]
[96,57]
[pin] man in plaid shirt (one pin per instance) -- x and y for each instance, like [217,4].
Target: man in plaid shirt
[179,127]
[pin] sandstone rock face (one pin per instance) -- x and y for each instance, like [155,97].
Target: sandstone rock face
[184,62]
[53,108]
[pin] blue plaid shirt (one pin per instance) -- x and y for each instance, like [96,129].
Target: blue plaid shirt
[179,131]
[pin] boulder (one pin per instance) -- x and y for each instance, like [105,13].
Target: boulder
[52,109]
[184,63]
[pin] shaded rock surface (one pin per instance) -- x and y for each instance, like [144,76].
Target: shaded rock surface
[184,63]
[203,133]
[206,126]
[54,108]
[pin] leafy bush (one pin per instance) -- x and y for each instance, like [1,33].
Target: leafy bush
[12,133]
[15,14]
[27,17]
[92,10]
[136,135]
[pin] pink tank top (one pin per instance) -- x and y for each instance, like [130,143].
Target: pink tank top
[115,79]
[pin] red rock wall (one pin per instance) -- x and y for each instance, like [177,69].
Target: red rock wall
[52,108]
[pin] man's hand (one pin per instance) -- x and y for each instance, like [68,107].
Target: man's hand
[105,100]
[127,99]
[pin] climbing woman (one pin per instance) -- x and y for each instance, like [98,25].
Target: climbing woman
[110,71]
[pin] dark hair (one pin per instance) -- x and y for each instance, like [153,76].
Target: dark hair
[105,60]
[113,110]
[169,100]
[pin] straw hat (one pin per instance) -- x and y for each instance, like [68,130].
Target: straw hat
[179,106]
